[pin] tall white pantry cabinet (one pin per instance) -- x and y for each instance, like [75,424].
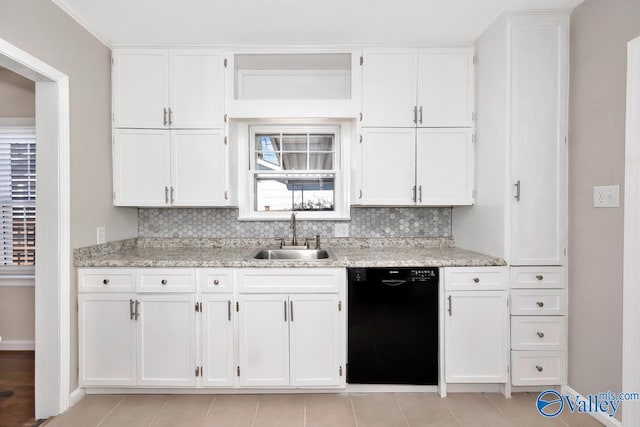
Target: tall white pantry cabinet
[520,211]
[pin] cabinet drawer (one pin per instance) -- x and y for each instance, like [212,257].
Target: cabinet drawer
[537,277]
[106,280]
[538,333]
[538,368]
[534,302]
[166,280]
[298,280]
[465,279]
[219,280]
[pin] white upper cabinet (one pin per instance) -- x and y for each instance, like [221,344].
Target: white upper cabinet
[389,85]
[140,88]
[417,87]
[538,147]
[388,166]
[159,88]
[445,87]
[444,167]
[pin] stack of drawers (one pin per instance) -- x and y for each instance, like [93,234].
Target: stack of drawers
[538,306]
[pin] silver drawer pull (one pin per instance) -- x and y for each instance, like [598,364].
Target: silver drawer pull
[540,304]
[540,334]
[539,368]
[476,280]
[540,277]
[216,282]
[105,281]
[163,281]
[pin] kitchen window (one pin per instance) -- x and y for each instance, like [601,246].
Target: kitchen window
[295,169]
[17,200]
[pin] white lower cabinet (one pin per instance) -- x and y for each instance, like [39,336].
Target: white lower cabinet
[166,340]
[476,325]
[217,341]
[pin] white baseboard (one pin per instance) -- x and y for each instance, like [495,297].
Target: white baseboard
[603,418]
[76,395]
[17,345]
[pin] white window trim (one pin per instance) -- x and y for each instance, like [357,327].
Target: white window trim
[341,210]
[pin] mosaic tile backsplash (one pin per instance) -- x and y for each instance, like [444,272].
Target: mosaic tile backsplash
[223,223]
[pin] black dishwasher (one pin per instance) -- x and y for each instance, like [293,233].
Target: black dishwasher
[393,326]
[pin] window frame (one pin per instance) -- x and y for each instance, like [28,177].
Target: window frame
[247,211]
[22,128]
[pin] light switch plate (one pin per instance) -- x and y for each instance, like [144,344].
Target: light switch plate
[341,229]
[606,196]
[101,235]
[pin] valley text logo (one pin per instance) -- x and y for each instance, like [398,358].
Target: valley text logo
[551,403]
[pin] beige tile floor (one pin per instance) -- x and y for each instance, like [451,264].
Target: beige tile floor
[313,410]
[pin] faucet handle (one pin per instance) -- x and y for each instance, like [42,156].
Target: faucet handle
[280,240]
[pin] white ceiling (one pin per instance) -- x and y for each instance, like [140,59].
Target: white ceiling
[219,22]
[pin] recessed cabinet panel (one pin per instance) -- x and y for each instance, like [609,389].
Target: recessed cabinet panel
[141,161]
[388,167]
[140,88]
[389,88]
[444,167]
[445,87]
[217,343]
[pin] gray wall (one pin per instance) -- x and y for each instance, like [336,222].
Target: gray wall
[46,32]
[600,30]
[17,95]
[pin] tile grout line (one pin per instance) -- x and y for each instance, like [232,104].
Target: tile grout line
[404,416]
[255,414]
[353,409]
[208,409]
[451,411]
[111,411]
[304,420]
[494,405]
[155,417]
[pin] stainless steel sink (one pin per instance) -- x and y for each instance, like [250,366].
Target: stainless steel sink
[292,254]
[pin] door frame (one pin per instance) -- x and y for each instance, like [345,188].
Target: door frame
[53,228]
[631,269]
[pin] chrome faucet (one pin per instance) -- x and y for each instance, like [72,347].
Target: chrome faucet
[292,226]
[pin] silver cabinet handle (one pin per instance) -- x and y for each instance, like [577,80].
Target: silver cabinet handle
[216,282]
[163,281]
[540,304]
[229,310]
[170,117]
[540,334]
[172,195]
[165,116]
[136,314]
[421,114]
[291,314]
[105,281]
[420,193]
[131,309]
[539,368]
[539,277]
[413,189]
[517,185]
[476,280]
[166,195]
[449,309]
[415,114]
[285,311]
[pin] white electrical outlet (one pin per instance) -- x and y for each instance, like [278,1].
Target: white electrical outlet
[606,196]
[101,235]
[341,229]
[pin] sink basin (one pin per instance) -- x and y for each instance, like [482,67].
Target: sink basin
[292,254]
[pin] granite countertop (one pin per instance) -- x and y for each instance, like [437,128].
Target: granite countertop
[349,252]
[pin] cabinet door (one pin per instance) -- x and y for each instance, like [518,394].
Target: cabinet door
[198,168]
[538,150]
[445,87]
[389,87]
[196,88]
[476,337]
[444,172]
[166,340]
[141,167]
[388,167]
[316,354]
[140,88]
[264,340]
[107,340]
[217,341]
